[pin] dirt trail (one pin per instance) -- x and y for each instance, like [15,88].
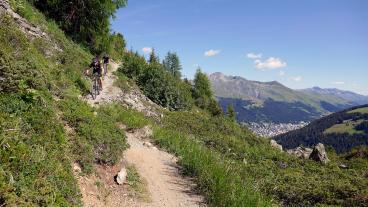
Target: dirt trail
[109,92]
[164,182]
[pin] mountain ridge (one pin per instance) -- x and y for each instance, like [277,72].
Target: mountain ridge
[342,130]
[256,101]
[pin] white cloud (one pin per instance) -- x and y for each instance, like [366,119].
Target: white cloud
[296,78]
[338,83]
[282,73]
[254,56]
[269,64]
[211,53]
[147,50]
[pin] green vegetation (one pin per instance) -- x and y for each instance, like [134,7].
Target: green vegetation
[363,110]
[172,64]
[203,95]
[232,164]
[117,46]
[35,167]
[231,112]
[137,184]
[98,139]
[41,79]
[118,114]
[86,21]
[45,127]
[338,130]
[346,127]
[156,82]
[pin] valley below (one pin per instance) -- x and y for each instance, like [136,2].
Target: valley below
[270,129]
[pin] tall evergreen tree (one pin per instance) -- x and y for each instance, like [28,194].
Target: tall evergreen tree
[231,112]
[117,46]
[86,21]
[202,85]
[172,64]
[153,58]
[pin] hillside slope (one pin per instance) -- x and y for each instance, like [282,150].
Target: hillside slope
[50,136]
[342,130]
[347,95]
[45,127]
[257,101]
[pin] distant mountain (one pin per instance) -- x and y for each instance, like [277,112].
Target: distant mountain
[256,101]
[347,95]
[342,130]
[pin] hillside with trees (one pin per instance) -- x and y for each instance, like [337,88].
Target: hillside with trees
[47,126]
[342,131]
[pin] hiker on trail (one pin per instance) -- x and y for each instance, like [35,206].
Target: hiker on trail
[106,60]
[97,70]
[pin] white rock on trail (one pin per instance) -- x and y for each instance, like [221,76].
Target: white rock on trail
[121,177]
[147,144]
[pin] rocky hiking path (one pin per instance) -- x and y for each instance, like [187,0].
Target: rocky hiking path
[165,185]
[109,92]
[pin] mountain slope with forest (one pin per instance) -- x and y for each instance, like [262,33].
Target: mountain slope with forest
[51,137]
[343,131]
[258,101]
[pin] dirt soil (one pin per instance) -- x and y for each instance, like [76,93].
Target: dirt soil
[159,170]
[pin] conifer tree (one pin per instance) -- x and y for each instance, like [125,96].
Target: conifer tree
[202,85]
[231,112]
[172,64]
[153,57]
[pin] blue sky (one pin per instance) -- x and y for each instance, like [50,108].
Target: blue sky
[300,43]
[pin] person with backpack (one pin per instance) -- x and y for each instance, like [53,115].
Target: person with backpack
[97,69]
[106,60]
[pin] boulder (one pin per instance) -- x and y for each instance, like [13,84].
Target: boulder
[147,144]
[319,154]
[275,145]
[302,152]
[121,176]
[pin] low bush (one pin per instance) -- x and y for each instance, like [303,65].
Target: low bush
[35,165]
[98,138]
[119,114]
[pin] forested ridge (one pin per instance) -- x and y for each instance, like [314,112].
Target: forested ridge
[315,132]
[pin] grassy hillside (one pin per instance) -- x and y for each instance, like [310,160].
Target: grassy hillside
[45,127]
[342,130]
[234,167]
[41,79]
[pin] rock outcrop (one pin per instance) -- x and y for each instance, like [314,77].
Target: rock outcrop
[319,154]
[23,23]
[275,145]
[302,152]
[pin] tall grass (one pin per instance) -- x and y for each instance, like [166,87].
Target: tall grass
[216,177]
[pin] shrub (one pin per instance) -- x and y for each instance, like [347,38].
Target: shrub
[98,138]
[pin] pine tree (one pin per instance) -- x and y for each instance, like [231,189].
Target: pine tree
[214,108]
[172,64]
[153,59]
[231,112]
[202,85]
[86,21]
